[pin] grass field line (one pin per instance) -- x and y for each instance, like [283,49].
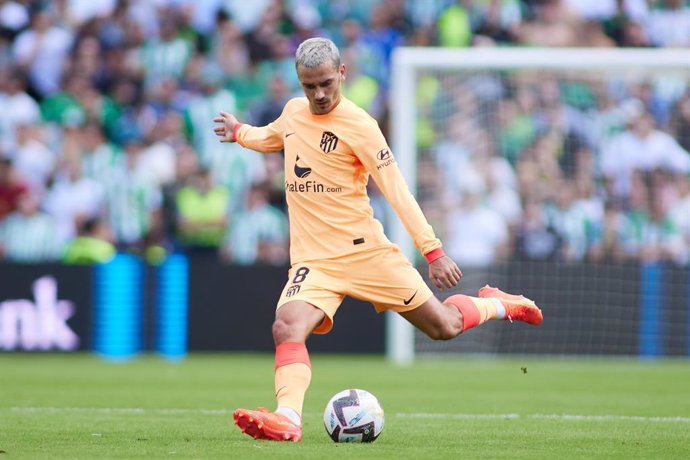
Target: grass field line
[116,410]
[456,416]
[565,417]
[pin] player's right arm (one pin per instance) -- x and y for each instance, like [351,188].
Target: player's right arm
[264,139]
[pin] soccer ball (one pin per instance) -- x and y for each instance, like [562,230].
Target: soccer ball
[353,416]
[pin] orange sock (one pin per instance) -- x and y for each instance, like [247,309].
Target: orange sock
[474,310]
[292,375]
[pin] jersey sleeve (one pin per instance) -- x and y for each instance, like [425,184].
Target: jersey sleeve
[264,139]
[372,150]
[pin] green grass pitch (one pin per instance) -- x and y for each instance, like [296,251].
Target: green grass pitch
[82,407]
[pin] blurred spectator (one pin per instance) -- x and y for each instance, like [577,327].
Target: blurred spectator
[669,23]
[186,167]
[634,35]
[551,25]
[591,34]
[517,126]
[73,199]
[87,60]
[495,20]
[129,120]
[280,65]
[632,234]
[161,98]
[535,238]
[590,205]
[212,99]
[228,48]
[42,50]
[377,43]
[362,89]
[640,147]
[156,160]
[563,125]
[258,233]
[538,171]
[63,106]
[259,40]
[33,160]
[269,109]
[92,245]
[201,212]
[432,194]
[167,56]
[606,245]
[399,16]
[77,103]
[647,233]
[500,178]
[472,151]
[612,17]
[476,235]
[17,107]
[571,223]
[451,154]
[454,28]
[238,168]
[11,188]
[27,235]
[100,160]
[133,203]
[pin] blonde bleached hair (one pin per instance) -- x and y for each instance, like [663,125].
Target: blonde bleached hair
[314,52]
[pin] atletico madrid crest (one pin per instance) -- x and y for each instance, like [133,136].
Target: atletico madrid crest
[329,141]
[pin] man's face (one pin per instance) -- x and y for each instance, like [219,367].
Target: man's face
[643,125]
[321,85]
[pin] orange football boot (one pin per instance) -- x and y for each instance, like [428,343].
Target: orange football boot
[263,424]
[518,307]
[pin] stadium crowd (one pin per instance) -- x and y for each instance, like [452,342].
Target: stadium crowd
[106,140]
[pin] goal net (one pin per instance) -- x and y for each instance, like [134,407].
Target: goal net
[562,174]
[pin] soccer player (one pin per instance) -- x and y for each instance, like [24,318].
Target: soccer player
[337,248]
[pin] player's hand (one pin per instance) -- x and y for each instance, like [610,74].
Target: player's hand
[226,127]
[444,273]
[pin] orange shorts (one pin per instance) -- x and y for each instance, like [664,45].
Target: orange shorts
[382,276]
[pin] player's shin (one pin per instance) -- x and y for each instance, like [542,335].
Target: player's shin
[292,378]
[474,310]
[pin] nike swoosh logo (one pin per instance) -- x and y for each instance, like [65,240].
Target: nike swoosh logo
[280,389]
[289,134]
[407,302]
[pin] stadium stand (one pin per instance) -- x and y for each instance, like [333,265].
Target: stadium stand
[117,97]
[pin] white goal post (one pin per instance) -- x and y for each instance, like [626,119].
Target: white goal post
[406,67]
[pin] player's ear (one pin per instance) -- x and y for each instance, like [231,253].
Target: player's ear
[343,72]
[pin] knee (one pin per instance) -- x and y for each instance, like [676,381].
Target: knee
[286,330]
[282,330]
[444,331]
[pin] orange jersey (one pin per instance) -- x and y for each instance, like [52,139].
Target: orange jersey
[328,160]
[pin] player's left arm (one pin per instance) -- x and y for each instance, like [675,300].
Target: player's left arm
[378,159]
